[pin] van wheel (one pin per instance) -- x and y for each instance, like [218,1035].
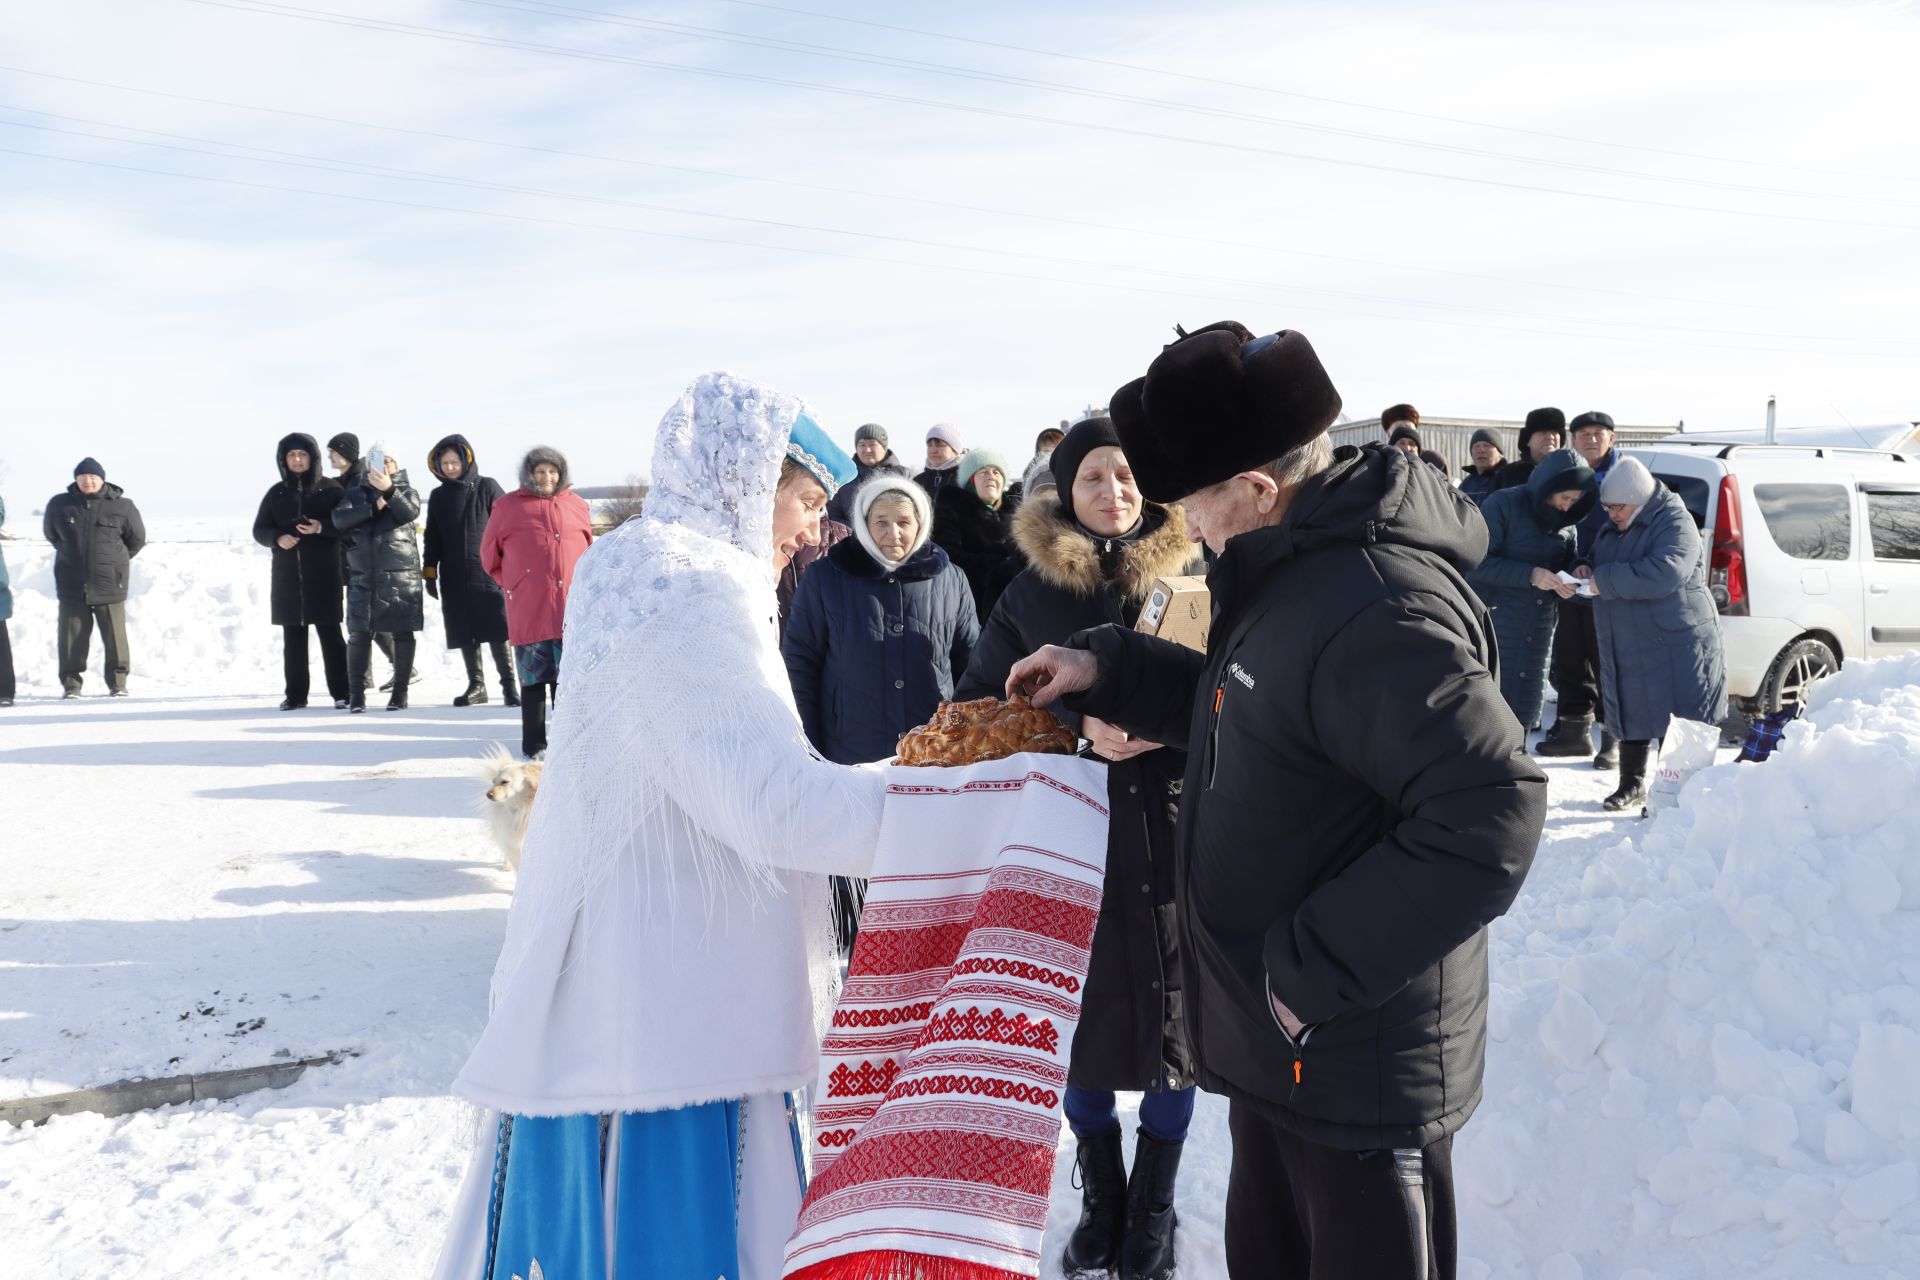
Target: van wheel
[1793,673]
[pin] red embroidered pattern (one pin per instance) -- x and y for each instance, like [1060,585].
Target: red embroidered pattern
[880,1017]
[1019,969]
[1007,1163]
[994,1028]
[845,1082]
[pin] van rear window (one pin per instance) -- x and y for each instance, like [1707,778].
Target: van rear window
[1808,521]
[1693,492]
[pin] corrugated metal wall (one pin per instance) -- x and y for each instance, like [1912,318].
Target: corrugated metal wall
[1454,436]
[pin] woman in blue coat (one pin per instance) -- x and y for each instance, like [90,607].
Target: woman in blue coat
[1660,652]
[881,629]
[1530,542]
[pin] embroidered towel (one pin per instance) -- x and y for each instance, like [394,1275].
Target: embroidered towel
[937,1114]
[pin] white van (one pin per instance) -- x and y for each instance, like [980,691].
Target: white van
[1815,556]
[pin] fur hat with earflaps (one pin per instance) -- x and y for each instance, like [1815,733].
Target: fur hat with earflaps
[1218,402]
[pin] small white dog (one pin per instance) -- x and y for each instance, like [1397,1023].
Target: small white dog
[509,800]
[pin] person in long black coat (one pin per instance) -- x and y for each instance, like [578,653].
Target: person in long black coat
[343,454]
[383,573]
[96,531]
[471,603]
[307,572]
[1093,548]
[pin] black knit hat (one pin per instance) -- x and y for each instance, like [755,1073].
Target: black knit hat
[1218,402]
[1591,418]
[1485,436]
[88,467]
[1539,420]
[347,445]
[1087,435]
[1404,432]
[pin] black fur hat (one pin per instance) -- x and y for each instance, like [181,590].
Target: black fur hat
[1218,402]
[1548,419]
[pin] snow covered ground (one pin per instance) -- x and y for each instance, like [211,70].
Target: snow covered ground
[1705,1053]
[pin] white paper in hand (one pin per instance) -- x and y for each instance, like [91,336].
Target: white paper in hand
[1583,586]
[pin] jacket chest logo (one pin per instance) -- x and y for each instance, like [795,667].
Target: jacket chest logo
[1241,674]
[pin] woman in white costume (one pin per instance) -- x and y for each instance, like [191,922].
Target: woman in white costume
[669,959]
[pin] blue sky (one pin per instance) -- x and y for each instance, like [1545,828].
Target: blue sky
[1664,211]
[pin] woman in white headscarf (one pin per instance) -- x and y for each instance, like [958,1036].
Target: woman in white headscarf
[669,960]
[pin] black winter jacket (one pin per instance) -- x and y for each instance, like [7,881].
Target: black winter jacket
[1358,805]
[979,539]
[873,652]
[307,580]
[383,558]
[471,603]
[1130,1035]
[94,542]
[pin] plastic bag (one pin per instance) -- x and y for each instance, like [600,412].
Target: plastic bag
[1688,748]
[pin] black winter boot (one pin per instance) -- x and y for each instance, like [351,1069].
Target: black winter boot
[476,693]
[403,649]
[1147,1252]
[1633,778]
[533,720]
[503,663]
[1570,736]
[1608,757]
[1094,1247]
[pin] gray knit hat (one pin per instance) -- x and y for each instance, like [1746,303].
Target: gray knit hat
[1629,484]
[871,431]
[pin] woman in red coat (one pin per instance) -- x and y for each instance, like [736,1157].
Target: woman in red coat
[534,538]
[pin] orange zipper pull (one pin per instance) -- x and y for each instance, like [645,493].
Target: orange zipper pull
[1219,698]
[1296,1069]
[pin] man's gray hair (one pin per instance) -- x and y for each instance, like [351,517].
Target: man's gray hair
[1302,463]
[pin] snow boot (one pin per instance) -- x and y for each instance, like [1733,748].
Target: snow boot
[1633,778]
[1147,1251]
[1608,757]
[1094,1247]
[476,693]
[403,649]
[1570,736]
[503,664]
[288,704]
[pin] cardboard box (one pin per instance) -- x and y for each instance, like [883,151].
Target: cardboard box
[1178,609]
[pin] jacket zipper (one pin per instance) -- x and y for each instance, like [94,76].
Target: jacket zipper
[1299,1054]
[1213,732]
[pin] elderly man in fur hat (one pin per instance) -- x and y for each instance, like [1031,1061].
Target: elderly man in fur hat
[1358,804]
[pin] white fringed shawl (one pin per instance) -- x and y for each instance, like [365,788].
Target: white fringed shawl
[670,941]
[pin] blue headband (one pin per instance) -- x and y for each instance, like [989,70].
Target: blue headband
[815,450]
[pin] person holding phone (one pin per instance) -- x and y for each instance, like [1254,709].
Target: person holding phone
[307,579]
[384,586]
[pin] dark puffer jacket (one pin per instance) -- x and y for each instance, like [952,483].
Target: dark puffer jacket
[872,651]
[94,542]
[471,603]
[1525,533]
[1357,805]
[979,539]
[1130,1035]
[383,557]
[307,580]
[840,506]
[1660,650]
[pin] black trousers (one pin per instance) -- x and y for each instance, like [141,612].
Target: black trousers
[1297,1210]
[333,660]
[75,639]
[360,661]
[1576,661]
[533,717]
[7,690]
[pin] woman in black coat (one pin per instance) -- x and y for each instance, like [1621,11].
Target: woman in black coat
[471,603]
[383,573]
[292,523]
[1093,548]
[973,523]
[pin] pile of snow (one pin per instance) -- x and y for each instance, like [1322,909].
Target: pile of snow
[198,619]
[1705,1055]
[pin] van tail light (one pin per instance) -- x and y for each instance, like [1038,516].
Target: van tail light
[1727,571]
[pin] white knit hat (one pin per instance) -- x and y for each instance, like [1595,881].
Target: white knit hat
[948,434]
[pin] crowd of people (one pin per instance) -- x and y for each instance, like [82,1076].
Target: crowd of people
[1312,823]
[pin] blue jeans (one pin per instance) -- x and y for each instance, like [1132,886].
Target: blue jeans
[1165,1116]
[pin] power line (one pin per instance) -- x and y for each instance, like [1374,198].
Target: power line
[498,42]
[1098,283]
[329,164]
[549,9]
[534,148]
[1308,97]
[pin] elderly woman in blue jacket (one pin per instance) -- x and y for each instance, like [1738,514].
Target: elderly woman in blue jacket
[1530,542]
[1660,651]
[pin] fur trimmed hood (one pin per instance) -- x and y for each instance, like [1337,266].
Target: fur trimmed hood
[1065,555]
[552,457]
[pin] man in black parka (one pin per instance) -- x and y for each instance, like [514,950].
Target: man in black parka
[308,585]
[1357,805]
[96,531]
